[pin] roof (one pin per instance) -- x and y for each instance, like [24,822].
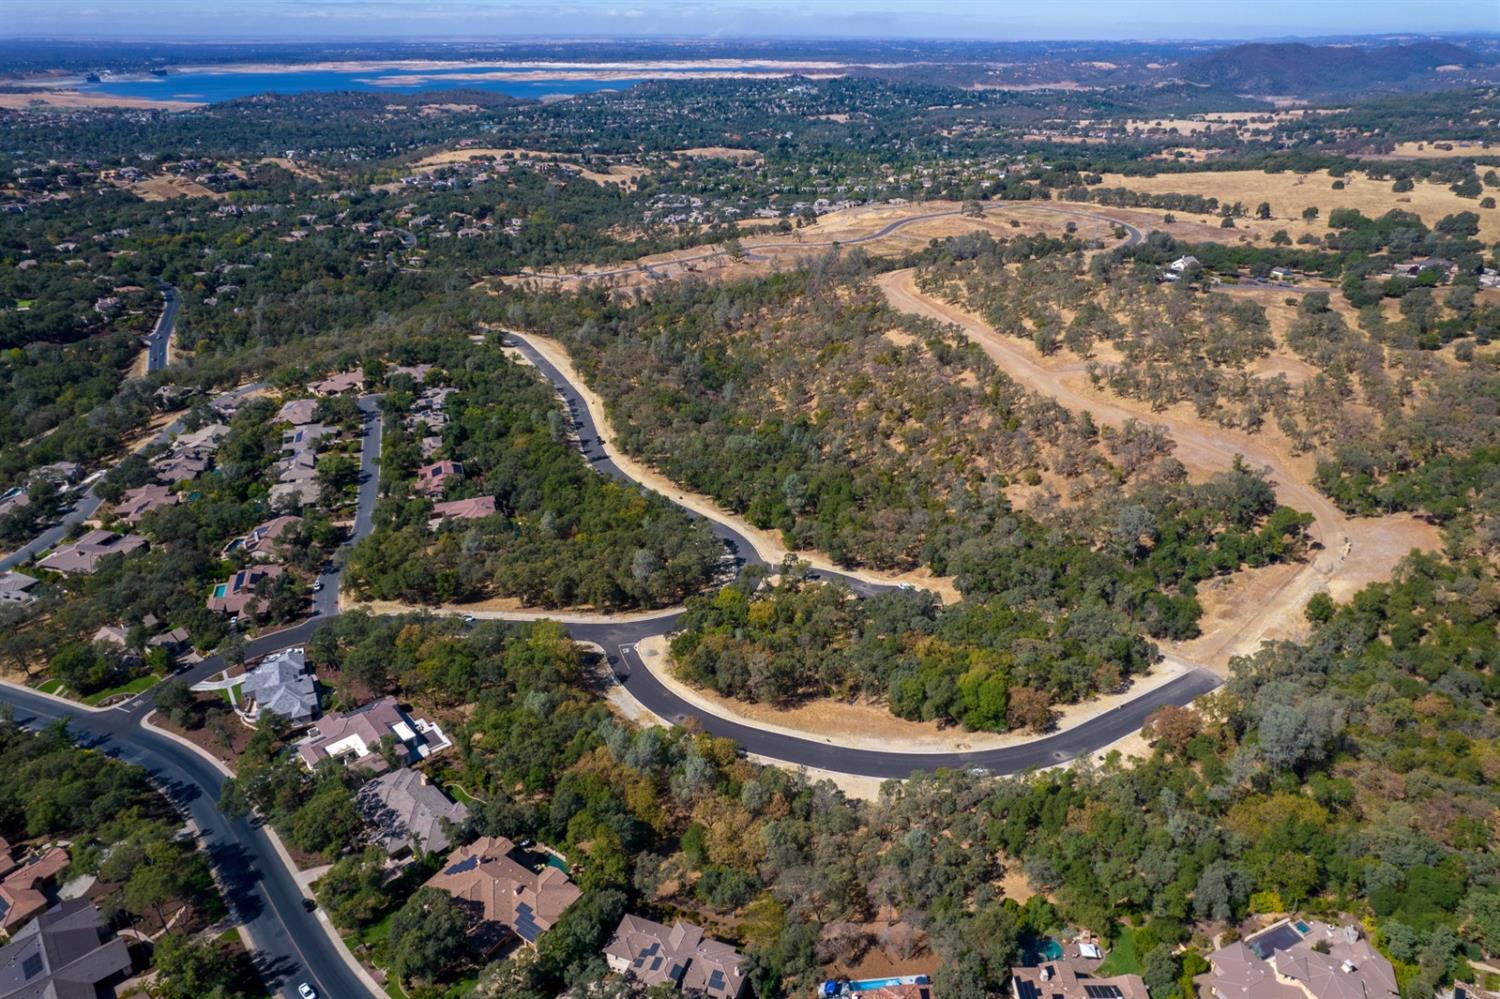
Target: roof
[21,895]
[63,954]
[204,439]
[498,891]
[402,806]
[142,500]
[359,733]
[1292,969]
[431,478]
[15,587]
[238,593]
[297,411]
[282,686]
[265,537]
[466,509]
[654,954]
[344,381]
[83,555]
[1059,980]
[180,467]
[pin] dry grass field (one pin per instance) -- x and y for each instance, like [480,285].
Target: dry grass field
[78,99]
[1436,150]
[1289,193]
[617,174]
[167,188]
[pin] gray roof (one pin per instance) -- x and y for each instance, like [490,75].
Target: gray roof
[282,685]
[401,806]
[62,954]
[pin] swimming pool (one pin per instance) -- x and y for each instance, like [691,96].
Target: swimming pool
[871,984]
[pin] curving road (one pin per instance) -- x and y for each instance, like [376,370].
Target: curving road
[619,640]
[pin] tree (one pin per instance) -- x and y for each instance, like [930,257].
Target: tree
[192,969]
[428,936]
[1263,210]
[178,704]
[1309,213]
[1320,608]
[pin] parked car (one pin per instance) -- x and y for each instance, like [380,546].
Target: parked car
[306,991]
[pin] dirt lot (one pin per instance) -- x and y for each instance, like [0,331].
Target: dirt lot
[616,174]
[167,188]
[1289,193]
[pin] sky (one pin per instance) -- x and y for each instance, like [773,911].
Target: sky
[486,20]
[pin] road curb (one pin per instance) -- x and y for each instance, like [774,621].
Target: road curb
[339,945]
[76,705]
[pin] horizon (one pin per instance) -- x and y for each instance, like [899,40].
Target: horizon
[475,22]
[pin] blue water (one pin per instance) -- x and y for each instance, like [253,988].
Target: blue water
[209,86]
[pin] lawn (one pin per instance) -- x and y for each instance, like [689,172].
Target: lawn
[1122,960]
[53,686]
[135,686]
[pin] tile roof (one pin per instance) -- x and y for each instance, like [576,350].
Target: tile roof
[402,805]
[282,686]
[83,555]
[654,954]
[498,891]
[65,953]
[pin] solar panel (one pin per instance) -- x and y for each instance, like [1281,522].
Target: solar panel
[31,966]
[467,864]
[716,980]
[1026,989]
[526,925]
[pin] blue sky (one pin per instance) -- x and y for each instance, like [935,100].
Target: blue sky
[480,20]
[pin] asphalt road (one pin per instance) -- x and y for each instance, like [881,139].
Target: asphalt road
[156,342]
[619,640]
[292,946]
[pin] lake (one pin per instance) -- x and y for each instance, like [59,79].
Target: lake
[210,86]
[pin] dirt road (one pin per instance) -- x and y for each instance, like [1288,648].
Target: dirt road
[1200,445]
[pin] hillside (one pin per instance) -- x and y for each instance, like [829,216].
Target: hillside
[1297,68]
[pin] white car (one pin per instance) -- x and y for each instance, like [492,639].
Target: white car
[306,991]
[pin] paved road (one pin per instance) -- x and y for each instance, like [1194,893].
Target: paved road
[161,336]
[619,640]
[292,945]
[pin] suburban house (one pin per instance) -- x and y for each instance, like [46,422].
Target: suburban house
[68,952]
[237,594]
[1302,959]
[501,895]
[15,588]
[141,500]
[263,541]
[306,438]
[61,473]
[654,954]
[82,556]
[205,439]
[464,509]
[180,467]
[23,884]
[404,809]
[433,479]
[174,642]
[357,735]
[282,686]
[1183,264]
[1060,980]
[297,412]
[416,372]
[347,381]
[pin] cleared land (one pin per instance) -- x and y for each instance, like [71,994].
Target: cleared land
[616,174]
[1289,193]
[79,99]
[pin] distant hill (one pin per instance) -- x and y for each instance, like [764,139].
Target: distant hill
[1296,68]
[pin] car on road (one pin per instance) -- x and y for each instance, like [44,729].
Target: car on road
[306,991]
[318,586]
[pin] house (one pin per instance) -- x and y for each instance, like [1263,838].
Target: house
[281,685]
[1301,960]
[464,509]
[23,884]
[15,588]
[653,954]
[501,895]
[357,735]
[264,540]
[174,642]
[204,440]
[305,439]
[111,634]
[403,808]
[290,495]
[237,594]
[67,952]
[433,479]
[61,473]
[82,556]
[1282,273]
[1184,264]
[430,446]
[14,499]
[142,500]
[1059,980]
[180,467]
[297,412]
[347,381]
